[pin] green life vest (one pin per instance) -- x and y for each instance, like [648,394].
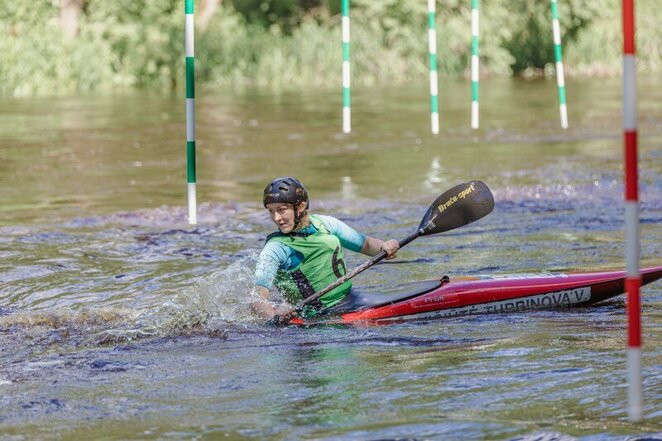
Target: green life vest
[323,263]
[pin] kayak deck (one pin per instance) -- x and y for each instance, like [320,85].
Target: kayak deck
[361,299]
[479,295]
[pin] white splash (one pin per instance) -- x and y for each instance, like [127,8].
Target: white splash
[209,305]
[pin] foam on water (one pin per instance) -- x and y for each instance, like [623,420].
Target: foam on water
[208,306]
[142,301]
[86,263]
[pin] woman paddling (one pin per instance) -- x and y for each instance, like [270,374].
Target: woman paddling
[306,254]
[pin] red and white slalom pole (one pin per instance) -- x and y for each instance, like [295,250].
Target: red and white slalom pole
[633,279]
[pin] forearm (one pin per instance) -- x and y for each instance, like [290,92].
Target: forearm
[372,246]
[265,309]
[263,306]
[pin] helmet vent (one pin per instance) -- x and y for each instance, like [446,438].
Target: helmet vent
[288,190]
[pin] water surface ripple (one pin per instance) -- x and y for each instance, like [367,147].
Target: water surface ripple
[120,321]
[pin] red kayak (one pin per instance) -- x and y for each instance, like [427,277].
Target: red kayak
[479,295]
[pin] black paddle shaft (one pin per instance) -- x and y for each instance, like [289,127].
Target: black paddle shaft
[359,269]
[461,205]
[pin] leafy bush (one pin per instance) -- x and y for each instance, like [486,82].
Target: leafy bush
[284,44]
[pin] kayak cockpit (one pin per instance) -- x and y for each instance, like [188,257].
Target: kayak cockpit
[361,298]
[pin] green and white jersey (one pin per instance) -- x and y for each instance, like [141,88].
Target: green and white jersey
[303,263]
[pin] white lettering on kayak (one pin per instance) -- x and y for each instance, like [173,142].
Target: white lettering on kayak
[522,276]
[558,299]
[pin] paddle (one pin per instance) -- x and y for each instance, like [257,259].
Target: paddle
[459,206]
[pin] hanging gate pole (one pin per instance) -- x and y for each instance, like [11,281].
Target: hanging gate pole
[434,80]
[346,109]
[633,277]
[474,63]
[190,116]
[558,58]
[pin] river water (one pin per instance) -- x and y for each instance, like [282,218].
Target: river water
[119,321]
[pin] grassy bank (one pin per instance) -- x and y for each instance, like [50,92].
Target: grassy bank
[284,44]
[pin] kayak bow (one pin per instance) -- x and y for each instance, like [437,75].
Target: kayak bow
[479,295]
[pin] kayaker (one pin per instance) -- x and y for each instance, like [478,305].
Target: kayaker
[306,253]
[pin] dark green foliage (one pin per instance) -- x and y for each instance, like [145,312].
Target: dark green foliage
[296,43]
[531,43]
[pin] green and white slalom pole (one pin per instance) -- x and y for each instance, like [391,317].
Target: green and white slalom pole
[346,112]
[558,55]
[474,64]
[434,79]
[190,115]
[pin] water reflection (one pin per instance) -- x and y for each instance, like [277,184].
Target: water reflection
[434,177]
[93,238]
[348,188]
[133,144]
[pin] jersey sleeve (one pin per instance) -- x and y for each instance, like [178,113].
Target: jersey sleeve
[348,236]
[273,256]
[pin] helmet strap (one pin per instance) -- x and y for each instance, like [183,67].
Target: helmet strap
[297,217]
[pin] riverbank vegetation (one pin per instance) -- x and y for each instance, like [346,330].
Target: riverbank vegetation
[67,46]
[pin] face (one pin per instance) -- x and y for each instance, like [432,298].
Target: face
[282,215]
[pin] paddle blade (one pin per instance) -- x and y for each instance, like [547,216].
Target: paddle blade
[461,205]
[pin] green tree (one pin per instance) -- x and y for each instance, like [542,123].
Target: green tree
[68,46]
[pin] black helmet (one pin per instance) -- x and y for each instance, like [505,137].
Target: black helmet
[287,190]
